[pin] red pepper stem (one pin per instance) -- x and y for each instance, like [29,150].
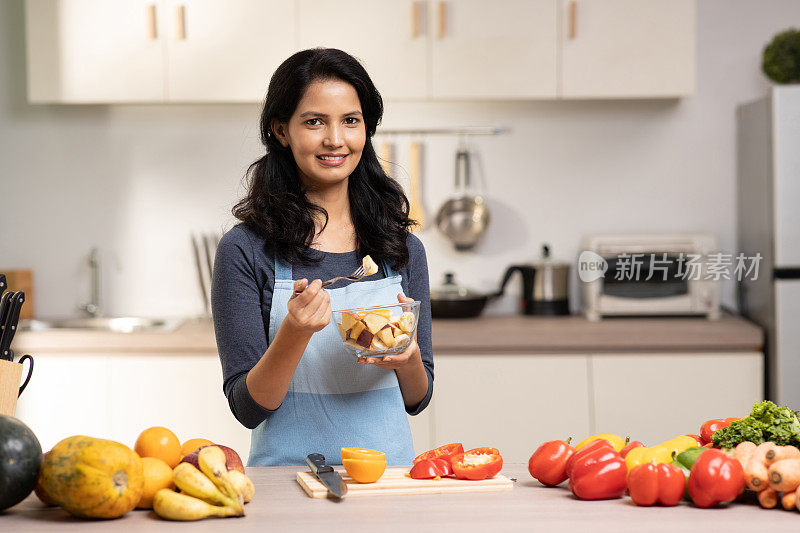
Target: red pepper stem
[627,439]
[569,439]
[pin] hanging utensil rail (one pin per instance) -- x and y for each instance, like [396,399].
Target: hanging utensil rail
[471,130]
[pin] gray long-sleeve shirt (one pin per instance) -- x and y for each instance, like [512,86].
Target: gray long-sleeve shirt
[241,298]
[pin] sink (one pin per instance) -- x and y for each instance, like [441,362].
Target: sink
[122,324]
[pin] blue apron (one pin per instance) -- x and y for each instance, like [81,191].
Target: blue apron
[333,401]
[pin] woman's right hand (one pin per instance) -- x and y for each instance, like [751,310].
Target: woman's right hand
[309,311]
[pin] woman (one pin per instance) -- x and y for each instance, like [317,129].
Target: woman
[318,202]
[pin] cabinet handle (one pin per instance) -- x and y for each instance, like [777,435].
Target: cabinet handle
[151,22]
[442,19]
[573,20]
[180,18]
[415,19]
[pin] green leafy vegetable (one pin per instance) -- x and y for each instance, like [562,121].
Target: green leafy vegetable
[767,422]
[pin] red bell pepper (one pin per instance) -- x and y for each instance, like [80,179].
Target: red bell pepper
[716,477]
[600,443]
[445,452]
[711,426]
[628,447]
[651,483]
[477,464]
[431,468]
[597,472]
[548,463]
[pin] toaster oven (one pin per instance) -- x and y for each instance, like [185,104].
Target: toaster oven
[629,275]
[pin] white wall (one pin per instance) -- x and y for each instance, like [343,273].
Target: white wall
[136,180]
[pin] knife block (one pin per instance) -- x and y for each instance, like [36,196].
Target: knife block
[10,375]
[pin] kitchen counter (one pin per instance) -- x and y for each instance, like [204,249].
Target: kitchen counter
[281,505]
[510,334]
[490,334]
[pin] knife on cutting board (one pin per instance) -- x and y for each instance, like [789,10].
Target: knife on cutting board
[327,475]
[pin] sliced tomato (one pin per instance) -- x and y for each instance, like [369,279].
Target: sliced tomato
[431,468]
[477,464]
[444,452]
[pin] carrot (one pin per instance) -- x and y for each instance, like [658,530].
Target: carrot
[756,474]
[778,453]
[768,498]
[784,475]
[760,451]
[743,451]
[789,500]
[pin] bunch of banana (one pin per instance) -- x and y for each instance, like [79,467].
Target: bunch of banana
[210,491]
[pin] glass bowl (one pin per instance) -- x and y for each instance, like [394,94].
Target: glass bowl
[379,330]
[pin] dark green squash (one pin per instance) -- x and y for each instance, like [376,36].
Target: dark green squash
[20,459]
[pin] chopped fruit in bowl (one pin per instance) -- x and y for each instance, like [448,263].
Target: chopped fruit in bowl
[378,331]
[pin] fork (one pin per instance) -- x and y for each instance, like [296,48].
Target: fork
[355,276]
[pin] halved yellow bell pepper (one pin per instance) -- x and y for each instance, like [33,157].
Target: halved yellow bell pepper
[661,453]
[615,441]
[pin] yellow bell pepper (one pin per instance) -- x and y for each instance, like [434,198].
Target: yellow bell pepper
[615,441]
[661,453]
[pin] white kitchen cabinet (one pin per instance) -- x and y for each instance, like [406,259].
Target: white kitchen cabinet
[182,392]
[627,48]
[67,395]
[118,395]
[510,402]
[89,51]
[498,49]
[654,397]
[389,37]
[94,51]
[226,51]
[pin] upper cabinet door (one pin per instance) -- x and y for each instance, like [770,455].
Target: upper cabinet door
[498,49]
[388,36]
[627,48]
[226,51]
[85,51]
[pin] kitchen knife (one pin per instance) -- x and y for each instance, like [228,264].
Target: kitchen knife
[3,284]
[4,312]
[327,475]
[10,324]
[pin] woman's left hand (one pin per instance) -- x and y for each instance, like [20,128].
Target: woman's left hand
[410,356]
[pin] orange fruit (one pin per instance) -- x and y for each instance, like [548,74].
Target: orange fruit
[363,453]
[157,476]
[161,443]
[193,444]
[365,470]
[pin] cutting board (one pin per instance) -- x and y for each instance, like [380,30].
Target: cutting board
[394,481]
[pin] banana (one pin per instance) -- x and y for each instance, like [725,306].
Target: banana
[212,463]
[244,486]
[170,505]
[193,482]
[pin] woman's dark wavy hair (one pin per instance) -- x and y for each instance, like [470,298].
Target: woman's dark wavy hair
[276,205]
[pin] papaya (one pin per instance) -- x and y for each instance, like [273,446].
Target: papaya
[92,478]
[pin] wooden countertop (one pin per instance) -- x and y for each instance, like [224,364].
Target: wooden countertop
[489,334]
[281,505]
[517,334]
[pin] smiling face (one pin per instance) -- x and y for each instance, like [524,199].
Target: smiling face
[326,133]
